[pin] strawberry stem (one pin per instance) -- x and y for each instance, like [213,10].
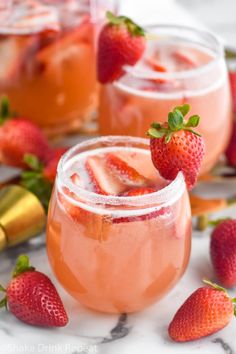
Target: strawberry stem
[214,285]
[22,265]
[176,122]
[4,110]
[132,27]
[203,222]
[3,303]
[34,180]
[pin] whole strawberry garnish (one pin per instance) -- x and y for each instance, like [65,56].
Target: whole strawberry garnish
[32,298]
[223,252]
[206,311]
[231,149]
[121,42]
[175,146]
[19,136]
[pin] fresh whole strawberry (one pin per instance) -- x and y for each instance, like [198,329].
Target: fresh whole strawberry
[176,147]
[206,311]
[121,42]
[223,252]
[232,79]
[32,298]
[19,136]
[230,152]
[50,168]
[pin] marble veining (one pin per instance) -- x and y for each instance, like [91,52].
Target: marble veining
[225,346]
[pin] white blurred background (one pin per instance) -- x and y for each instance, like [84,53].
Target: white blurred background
[217,15]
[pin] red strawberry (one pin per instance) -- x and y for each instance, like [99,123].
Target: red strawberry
[19,136]
[121,42]
[206,311]
[39,177]
[124,172]
[223,252]
[32,298]
[50,169]
[232,78]
[139,191]
[231,149]
[176,147]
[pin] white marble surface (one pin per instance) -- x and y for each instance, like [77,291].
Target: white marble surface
[144,332]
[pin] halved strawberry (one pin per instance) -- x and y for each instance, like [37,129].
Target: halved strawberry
[103,181]
[125,173]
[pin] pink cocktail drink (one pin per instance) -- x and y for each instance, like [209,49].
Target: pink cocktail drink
[180,65]
[118,235]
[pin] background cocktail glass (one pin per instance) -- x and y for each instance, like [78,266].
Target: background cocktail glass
[146,94]
[47,66]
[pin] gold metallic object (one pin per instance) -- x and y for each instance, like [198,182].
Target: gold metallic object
[22,216]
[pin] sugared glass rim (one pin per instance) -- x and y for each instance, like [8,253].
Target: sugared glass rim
[185,74]
[167,195]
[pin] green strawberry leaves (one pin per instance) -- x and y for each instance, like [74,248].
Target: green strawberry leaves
[5,112]
[193,121]
[133,28]
[176,122]
[34,180]
[22,265]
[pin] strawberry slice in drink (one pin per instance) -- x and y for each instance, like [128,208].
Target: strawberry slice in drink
[136,192]
[67,45]
[184,60]
[76,180]
[155,65]
[124,172]
[102,180]
[154,214]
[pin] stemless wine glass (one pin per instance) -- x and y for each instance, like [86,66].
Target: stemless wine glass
[180,65]
[117,253]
